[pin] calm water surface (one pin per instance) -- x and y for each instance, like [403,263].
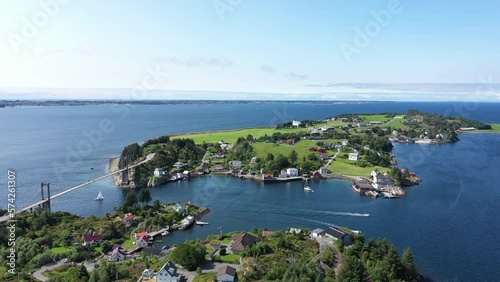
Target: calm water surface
[449,220]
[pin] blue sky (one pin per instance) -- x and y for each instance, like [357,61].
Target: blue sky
[301,49]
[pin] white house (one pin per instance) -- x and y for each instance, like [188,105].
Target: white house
[226,274]
[147,273]
[361,124]
[253,160]
[142,242]
[366,147]
[294,231]
[178,208]
[117,255]
[158,172]
[315,131]
[326,128]
[317,233]
[353,156]
[236,165]
[323,171]
[345,143]
[381,180]
[292,172]
[168,273]
[296,122]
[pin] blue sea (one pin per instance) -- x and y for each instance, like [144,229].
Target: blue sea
[449,220]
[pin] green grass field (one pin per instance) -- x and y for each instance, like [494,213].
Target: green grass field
[346,167]
[229,258]
[205,277]
[128,244]
[301,147]
[495,128]
[59,250]
[381,118]
[232,135]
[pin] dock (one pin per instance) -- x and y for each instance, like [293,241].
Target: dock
[156,233]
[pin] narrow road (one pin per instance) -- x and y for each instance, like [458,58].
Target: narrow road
[332,158]
[203,160]
[39,273]
[322,247]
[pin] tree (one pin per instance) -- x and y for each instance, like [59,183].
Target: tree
[130,200]
[106,246]
[330,275]
[293,156]
[144,196]
[156,205]
[352,270]
[328,257]
[82,272]
[190,256]
[270,157]
[250,138]
[410,271]
[391,264]
[222,252]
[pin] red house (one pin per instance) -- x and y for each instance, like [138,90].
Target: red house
[316,175]
[92,240]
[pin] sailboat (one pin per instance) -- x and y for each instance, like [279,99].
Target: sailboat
[307,188]
[99,197]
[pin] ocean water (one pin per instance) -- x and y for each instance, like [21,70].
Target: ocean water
[449,220]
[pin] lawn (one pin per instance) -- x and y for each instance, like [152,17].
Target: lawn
[396,123]
[346,167]
[301,147]
[226,241]
[228,258]
[209,276]
[59,250]
[381,118]
[128,244]
[231,136]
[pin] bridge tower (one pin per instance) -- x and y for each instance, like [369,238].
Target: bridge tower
[45,205]
[125,173]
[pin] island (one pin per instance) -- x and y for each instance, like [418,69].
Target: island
[355,147]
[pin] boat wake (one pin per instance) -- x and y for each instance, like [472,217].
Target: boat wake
[348,213]
[339,213]
[315,221]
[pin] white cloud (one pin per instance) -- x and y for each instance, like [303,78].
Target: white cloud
[195,62]
[267,68]
[296,76]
